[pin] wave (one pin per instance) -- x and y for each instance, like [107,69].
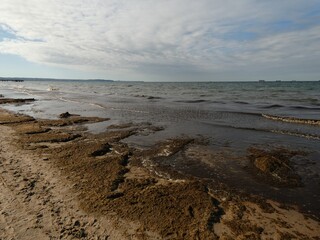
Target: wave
[81,102]
[68,100]
[304,135]
[193,101]
[284,132]
[241,102]
[312,101]
[98,105]
[148,97]
[273,106]
[241,113]
[305,108]
[219,102]
[128,110]
[292,119]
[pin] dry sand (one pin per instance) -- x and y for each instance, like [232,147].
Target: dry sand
[58,181]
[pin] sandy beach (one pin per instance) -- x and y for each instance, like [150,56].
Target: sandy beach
[58,181]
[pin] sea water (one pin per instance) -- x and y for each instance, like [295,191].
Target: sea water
[232,116]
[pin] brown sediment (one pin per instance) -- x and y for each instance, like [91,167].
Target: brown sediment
[11,118]
[115,183]
[31,128]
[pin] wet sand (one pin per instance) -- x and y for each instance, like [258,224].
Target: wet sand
[58,181]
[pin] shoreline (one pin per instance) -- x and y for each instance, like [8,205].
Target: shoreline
[82,185]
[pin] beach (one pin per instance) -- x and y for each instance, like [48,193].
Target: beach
[60,181]
[159,120]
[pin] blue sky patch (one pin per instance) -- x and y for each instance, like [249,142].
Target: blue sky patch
[6,34]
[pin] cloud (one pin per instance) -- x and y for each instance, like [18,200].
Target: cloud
[177,37]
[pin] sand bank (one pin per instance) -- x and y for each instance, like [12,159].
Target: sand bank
[59,181]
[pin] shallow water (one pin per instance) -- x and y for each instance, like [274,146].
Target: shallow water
[232,116]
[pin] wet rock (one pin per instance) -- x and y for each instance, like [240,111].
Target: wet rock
[124,160]
[15,100]
[54,137]
[268,163]
[65,115]
[275,166]
[76,223]
[168,147]
[115,195]
[121,126]
[71,120]
[103,149]
[143,128]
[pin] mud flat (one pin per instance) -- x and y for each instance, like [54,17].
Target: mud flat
[58,181]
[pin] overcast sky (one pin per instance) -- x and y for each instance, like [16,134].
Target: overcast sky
[161,40]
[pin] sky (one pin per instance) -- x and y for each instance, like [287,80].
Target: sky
[167,40]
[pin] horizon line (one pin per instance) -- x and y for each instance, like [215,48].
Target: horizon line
[117,80]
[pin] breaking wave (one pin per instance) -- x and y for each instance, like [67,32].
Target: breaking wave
[292,119]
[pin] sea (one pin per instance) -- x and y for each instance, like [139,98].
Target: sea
[230,116]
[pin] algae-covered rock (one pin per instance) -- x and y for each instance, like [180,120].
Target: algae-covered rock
[275,166]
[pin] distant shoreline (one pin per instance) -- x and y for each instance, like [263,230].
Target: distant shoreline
[11,80]
[4,79]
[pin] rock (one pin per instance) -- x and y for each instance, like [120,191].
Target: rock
[115,195]
[65,115]
[276,166]
[16,100]
[268,163]
[102,150]
[76,223]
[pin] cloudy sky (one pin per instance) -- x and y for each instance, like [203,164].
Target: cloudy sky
[161,40]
